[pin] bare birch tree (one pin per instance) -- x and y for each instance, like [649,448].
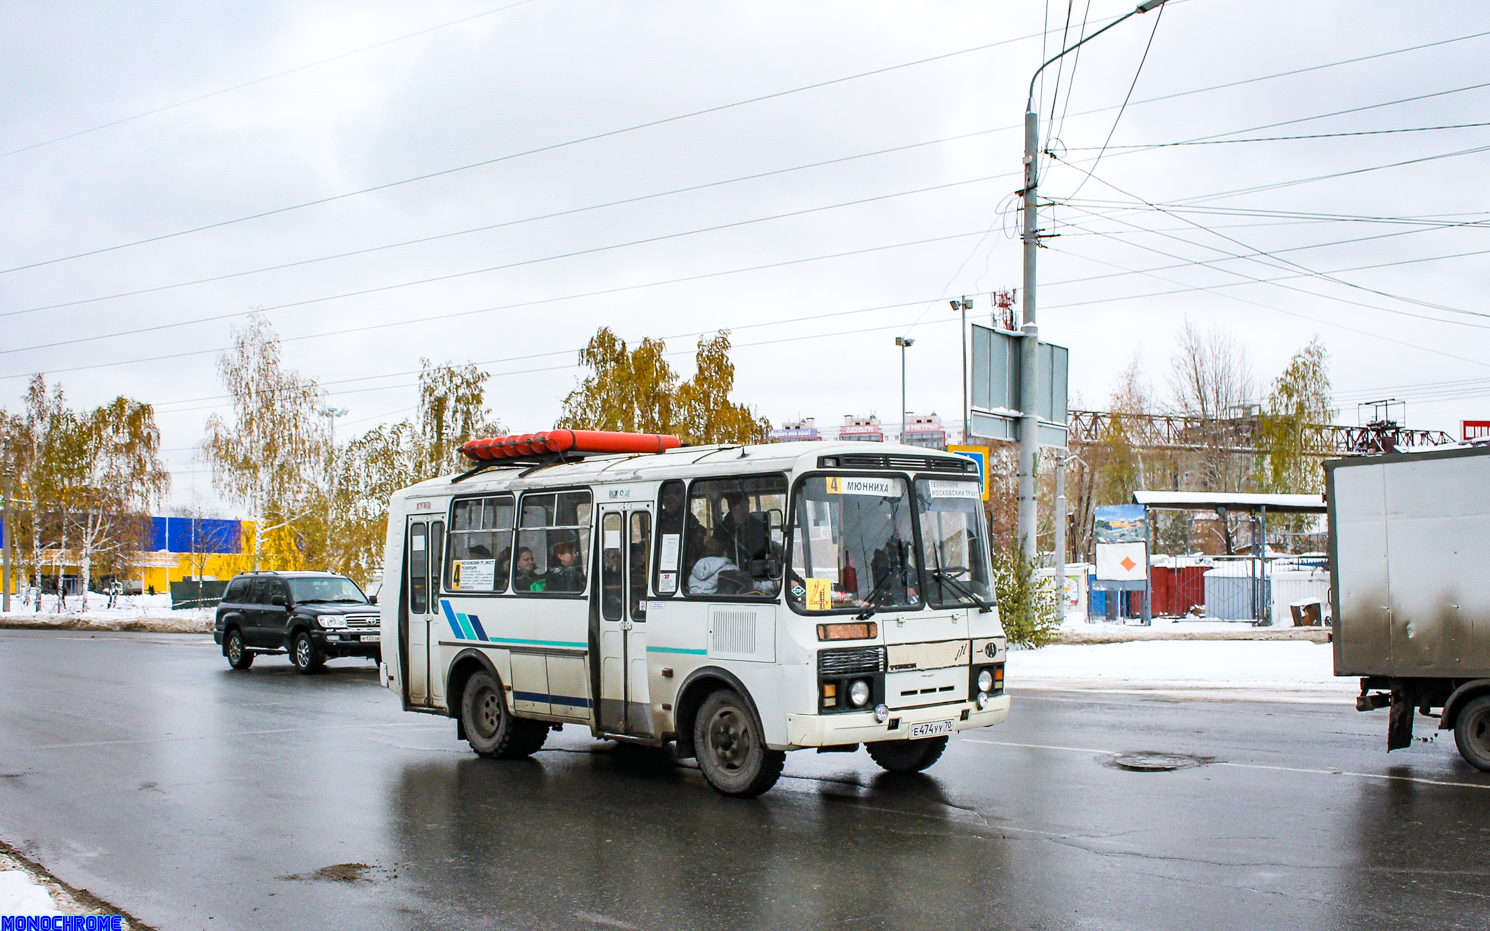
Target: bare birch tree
[268,459]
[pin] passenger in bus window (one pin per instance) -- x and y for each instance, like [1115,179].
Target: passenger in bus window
[567,575]
[524,578]
[709,570]
[728,529]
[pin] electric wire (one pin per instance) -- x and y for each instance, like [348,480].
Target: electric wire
[159,327]
[261,80]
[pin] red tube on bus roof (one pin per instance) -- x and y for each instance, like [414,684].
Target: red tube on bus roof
[564,441]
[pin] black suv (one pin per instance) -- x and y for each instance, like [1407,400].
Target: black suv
[311,615]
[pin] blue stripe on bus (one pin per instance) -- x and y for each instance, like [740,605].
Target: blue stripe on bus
[476,623]
[677,650]
[542,698]
[450,616]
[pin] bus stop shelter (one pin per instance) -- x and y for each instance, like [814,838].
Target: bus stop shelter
[1257,507]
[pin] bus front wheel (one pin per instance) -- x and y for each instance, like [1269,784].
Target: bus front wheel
[731,751]
[490,728]
[907,756]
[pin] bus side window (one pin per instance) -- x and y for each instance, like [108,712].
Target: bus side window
[418,570]
[641,553]
[554,528]
[480,544]
[735,541]
[670,519]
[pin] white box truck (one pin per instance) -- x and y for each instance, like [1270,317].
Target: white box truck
[1410,585]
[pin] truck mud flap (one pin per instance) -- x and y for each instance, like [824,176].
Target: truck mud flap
[1399,724]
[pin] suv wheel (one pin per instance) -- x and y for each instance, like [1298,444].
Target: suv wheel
[233,648]
[490,728]
[304,655]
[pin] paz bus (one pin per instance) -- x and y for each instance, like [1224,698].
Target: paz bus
[737,601]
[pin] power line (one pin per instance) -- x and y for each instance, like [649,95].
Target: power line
[506,223]
[514,155]
[1117,119]
[261,80]
[716,109]
[156,328]
[533,303]
[1364,132]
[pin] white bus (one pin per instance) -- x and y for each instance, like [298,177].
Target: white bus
[740,601]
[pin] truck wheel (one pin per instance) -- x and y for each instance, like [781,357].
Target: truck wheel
[907,756]
[490,728]
[1472,733]
[732,753]
[237,654]
[304,655]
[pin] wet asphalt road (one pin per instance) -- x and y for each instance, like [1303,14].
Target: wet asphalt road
[140,767]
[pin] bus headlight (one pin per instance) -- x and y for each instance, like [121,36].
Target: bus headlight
[985,681]
[858,693]
[882,713]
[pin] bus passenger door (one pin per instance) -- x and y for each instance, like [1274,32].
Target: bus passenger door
[625,547]
[418,607]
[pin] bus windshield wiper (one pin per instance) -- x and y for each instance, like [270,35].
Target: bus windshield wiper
[983,606]
[870,603]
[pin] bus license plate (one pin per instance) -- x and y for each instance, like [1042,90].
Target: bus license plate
[374,638]
[931,729]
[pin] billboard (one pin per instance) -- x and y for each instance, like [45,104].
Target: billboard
[997,382]
[1474,430]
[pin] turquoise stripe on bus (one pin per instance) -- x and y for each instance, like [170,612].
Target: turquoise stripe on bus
[465,626]
[677,650]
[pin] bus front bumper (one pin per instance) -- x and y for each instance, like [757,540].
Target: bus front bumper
[828,730]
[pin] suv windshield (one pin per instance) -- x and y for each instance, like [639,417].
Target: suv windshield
[955,540]
[332,590]
[853,545]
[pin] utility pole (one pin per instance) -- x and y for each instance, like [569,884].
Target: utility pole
[904,343]
[1029,352]
[1060,531]
[5,584]
[964,305]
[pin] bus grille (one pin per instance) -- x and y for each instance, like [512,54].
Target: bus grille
[907,463]
[734,632]
[851,661]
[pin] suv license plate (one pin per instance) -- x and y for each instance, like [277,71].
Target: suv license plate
[374,638]
[931,729]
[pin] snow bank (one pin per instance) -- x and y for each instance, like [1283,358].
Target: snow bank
[131,612]
[22,895]
[1257,670]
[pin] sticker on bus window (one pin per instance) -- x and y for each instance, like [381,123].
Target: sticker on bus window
[941,489]
[819,595]
[853,485]
[667,583]
[473,575]
[613,539]
[668,558]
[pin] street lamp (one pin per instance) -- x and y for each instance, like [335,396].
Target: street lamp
[964,305]
[904,343]
[1029,391]
[331,413]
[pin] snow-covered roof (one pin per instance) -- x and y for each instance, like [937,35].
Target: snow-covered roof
[1232,501]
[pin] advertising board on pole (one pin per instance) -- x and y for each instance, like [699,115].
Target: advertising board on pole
[978,454]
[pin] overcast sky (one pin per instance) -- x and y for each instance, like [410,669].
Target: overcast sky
[123,123]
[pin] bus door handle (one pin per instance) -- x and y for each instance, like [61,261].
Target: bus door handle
[627,624]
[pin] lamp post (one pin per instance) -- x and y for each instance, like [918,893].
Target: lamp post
[1029,393]
[964,305]
[904,343]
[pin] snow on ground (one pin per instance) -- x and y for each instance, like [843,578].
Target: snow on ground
[153,610]
[22,895]
[1256,670]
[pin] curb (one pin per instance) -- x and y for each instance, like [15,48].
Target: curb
[148,625]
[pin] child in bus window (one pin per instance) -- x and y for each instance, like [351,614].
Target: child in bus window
[565,574]
[524,579]
[705,577]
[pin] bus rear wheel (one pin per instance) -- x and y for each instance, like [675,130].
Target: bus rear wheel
[732,753]
[1472,733]
[907,756]
[490,728]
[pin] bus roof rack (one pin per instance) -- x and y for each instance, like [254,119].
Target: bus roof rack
[540,450]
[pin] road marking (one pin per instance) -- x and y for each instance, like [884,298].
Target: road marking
[1281,769]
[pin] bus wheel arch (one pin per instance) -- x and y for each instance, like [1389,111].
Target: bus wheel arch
[466,664]
[695,690]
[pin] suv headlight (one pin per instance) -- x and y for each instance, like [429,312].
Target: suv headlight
[334,621]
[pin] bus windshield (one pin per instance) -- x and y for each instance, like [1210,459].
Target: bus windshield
[954,535]
[853,545]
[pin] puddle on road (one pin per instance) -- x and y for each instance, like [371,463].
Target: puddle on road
[343,873]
